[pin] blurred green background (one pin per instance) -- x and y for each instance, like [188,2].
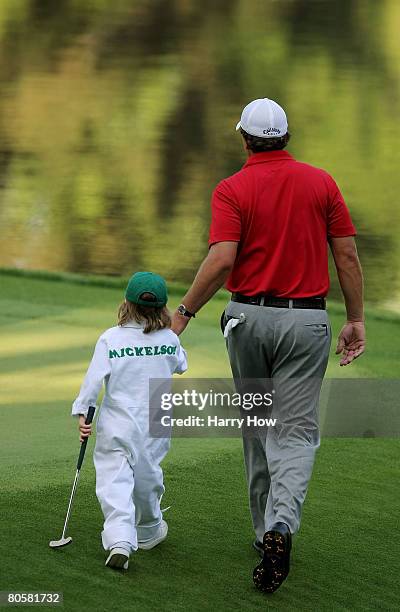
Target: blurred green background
[117,120]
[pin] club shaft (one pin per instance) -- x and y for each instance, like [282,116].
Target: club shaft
[71,499]
[89,419]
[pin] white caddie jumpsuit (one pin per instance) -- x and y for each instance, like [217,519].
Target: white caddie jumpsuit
[129,479]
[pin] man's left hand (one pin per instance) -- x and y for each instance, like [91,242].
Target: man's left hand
[351,342]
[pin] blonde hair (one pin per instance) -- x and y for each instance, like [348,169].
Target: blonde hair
[153,317]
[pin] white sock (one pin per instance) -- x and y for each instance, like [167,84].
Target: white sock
[125,545]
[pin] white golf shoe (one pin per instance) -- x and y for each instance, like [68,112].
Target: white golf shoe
[157,539]
[118,558]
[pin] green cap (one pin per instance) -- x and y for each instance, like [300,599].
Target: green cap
[147,282]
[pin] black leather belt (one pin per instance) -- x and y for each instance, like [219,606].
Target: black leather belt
[318,303]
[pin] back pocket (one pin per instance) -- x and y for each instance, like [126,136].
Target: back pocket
[319,329]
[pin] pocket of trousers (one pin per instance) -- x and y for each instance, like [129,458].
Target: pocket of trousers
[319,329]
[232,323]
[223,321]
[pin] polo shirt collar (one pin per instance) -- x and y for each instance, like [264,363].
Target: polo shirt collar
[268,156]
[134,324]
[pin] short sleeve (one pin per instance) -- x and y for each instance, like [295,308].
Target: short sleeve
[226,222]
[339,219]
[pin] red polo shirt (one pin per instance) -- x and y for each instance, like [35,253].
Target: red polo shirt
[281,212]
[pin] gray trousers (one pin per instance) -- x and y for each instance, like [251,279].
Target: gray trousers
[291,347]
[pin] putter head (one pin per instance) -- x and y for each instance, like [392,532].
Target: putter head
[59,543]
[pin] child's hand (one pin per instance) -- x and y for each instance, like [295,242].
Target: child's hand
[85,430]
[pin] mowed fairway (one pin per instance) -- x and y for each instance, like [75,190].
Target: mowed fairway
[346,556]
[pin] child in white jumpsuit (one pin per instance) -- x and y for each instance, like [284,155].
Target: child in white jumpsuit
[129,479]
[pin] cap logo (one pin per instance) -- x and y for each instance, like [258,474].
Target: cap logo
[272,130]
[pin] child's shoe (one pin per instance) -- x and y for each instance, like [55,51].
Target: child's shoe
[118,558]
[157,539]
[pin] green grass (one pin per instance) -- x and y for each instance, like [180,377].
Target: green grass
[345,556]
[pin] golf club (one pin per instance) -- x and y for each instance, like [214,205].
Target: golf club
[63,541]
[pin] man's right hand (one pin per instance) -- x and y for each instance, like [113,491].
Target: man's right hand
[179,323]
[351,341]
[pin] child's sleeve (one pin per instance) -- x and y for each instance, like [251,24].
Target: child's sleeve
[98,369]
[182,364]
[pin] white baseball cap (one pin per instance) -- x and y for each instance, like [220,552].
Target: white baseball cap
[263,118]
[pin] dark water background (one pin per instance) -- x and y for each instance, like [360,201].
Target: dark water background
[117,120]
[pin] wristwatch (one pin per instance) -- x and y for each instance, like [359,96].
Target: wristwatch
[183,311]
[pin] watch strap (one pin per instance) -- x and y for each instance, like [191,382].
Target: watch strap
[185,312]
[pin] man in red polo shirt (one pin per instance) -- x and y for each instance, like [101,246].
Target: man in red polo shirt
[271,224]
